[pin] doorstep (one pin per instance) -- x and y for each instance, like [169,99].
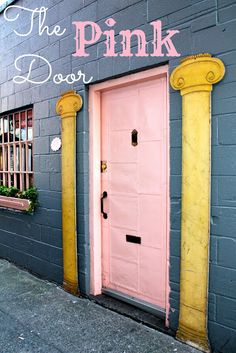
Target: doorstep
[132,312]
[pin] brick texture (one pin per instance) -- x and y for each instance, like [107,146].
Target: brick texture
[35,241]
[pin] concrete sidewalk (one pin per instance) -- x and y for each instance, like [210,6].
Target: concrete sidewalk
[37,316]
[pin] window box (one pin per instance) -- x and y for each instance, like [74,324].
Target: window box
[12,198]
[14,203]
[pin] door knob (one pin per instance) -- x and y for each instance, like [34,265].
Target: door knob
[103,166]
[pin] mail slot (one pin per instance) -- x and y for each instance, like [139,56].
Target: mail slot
[133,239]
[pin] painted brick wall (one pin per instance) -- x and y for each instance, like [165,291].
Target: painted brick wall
[35,241]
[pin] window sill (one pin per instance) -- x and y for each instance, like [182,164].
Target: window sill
[14,203]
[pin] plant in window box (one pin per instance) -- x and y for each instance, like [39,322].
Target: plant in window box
[15,199]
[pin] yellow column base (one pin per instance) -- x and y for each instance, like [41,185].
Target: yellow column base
[71,287]
[195,339]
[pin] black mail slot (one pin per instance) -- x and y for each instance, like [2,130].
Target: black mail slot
[133,239]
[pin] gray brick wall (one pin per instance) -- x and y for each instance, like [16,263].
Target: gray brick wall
[35,241]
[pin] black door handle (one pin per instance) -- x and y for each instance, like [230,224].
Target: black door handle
[104,196]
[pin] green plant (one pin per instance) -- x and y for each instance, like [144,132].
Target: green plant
[4,190]
[30,194]
[12,191]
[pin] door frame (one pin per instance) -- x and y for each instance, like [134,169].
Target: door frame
[95,174]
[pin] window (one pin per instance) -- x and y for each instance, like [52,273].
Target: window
[16,149]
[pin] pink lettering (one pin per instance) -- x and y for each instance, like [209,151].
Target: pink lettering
[161,46]
[81,42]
[110,41]
[158,42]
[126,42]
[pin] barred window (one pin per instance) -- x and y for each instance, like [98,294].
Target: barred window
[16,149]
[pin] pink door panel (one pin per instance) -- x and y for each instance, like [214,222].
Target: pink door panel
[150,167]
[152,128]
[151,276]
[124,209]
[120,178]
[151,224]
[121,249]
[119,122]
[120,141]
[136,183]
[121,278]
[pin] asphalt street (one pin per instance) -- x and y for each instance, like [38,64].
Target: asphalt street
[38,317]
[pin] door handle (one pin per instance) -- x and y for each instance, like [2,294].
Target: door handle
[104,196]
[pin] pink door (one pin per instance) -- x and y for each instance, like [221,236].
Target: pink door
[134,149]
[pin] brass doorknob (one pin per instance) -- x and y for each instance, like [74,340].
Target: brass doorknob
[103,166]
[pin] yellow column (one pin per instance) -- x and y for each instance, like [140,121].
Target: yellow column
[194,78]
[67,107]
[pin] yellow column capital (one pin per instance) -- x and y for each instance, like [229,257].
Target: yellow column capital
[197,73]
[69,104]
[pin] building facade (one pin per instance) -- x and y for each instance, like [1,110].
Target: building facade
[129,152]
